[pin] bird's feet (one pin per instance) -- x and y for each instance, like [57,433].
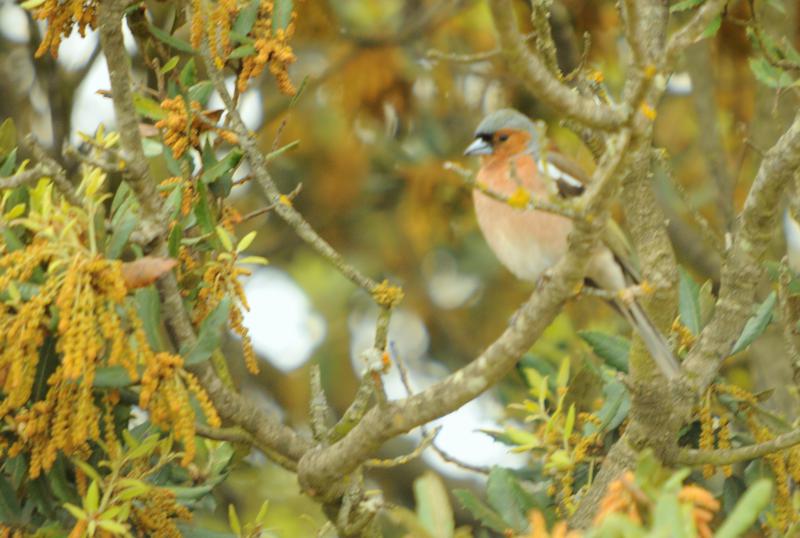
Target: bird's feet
[631,293]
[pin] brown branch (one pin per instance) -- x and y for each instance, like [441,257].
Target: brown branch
[693,30]
[742,266]
[320,468]
[22,178]
[533,72]
[52,168]
[267,430]
[288,213]
[689,456]
[109,15]
[698,62]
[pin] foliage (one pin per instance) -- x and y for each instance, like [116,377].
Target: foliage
[111,417]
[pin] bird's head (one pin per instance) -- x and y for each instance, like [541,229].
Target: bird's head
[504,133]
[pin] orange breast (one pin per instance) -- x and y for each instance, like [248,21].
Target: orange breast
[526,242]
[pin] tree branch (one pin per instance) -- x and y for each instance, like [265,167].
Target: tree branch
[322,467]
[693,30]
[541,82]
[267,429]
[742,266]
[689,456]
[109,15]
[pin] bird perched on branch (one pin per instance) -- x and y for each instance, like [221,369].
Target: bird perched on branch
[529,242]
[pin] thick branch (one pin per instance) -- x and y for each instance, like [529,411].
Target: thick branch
[321,468]
[742,267]
[109,15]
[727,456]
[541,82]
[265,428]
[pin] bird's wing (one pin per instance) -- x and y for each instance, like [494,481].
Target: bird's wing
[570,178]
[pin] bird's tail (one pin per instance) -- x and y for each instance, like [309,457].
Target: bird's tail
[653,340]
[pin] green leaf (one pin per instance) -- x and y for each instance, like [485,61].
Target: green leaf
[233,520]
[246,19]
[713,27]
[616,405]
[111,377]
[9,164]
[569,423]
[123,192]
[746,511]
[120,235]
[8,137]
[201,91]
[508,498]
[9,505]
[148,306]
[92,499]
[202,211]
[188,76]
[209,335]
[769,75]
[433,506]
[174,243]
[689,302]
[227,164]
[683,5]
[189,493]
[488,517]
[757,324]
[707,302]
[280,151]
[174,42]
[611,348]
[148,107]
[281,14]
[242,51]
[170,65]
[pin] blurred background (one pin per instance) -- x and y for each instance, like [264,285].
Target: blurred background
[388,96]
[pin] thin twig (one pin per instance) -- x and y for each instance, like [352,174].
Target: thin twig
[427,440]
[689,456]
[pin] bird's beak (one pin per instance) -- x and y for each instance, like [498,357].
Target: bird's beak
[479,146]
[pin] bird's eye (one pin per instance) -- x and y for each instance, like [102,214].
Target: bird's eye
[502,137]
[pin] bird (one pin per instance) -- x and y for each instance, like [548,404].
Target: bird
[528,242]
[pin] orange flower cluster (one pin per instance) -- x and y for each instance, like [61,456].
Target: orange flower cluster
[189,196]
[538,528]
[157,516]
[625,497]
[217,27]
[221,278]
[166,390]
[272,49]
[89,295]
[184,125]
[61,17]
[785,465]
[181,132]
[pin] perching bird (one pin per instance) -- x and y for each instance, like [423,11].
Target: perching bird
[528,242]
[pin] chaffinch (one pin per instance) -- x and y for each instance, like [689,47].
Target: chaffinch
[528,242]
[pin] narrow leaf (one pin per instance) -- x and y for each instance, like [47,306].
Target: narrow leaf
[488,517]
[209,335]
[174,42]
[757,324]
[747,510]
[689,302]
[433,506]
[611,348]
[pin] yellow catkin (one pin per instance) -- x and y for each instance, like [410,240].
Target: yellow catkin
[272,50]
[724,441]
[62,16]
[706,435]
